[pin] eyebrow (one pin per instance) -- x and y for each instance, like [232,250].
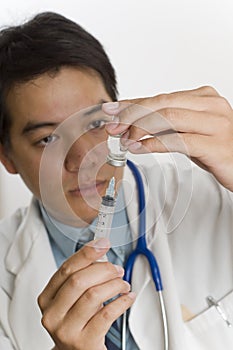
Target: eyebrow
[94,109]
[33,126]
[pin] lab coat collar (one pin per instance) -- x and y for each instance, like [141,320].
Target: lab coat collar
[25,237]
[26,258]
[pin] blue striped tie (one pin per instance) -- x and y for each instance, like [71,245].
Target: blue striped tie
[113,338]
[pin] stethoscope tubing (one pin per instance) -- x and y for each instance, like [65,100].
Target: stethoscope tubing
[141,249]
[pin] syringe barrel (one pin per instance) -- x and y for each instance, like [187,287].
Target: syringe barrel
[104,223]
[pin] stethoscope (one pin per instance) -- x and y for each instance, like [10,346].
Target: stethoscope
[141,249]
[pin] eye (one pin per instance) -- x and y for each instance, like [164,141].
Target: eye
[47,140]
[96,124]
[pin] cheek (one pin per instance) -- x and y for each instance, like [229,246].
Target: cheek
[28,167]
[98,149]
[26,159]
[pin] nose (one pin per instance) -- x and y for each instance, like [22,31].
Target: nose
[82,153]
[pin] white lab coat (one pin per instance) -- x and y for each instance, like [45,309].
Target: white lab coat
[190,230]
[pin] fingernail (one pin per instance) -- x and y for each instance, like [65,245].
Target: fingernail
[128,285]
[132,295]
[119,269]
[113,124]
[135,146]
[125,136]
[111,106]
[100,244]
[127,142]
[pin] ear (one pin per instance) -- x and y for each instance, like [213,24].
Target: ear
[6,161]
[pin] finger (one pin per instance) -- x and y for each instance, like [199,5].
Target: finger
[109,313]
[200,91]
[192,145]
[132,112]
[83,258]
[205,151]
[113,108]
[92,301]
[174,119]
[78,283]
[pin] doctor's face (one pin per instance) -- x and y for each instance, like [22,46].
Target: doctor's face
[74,179]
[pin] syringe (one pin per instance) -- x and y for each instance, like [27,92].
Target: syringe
[105,215]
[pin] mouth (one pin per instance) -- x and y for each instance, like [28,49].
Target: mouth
[90,189]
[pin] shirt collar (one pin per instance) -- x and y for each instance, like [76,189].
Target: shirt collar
[67,237]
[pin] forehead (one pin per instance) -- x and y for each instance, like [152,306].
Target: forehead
[55,97]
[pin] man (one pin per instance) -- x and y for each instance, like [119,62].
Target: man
[52,69]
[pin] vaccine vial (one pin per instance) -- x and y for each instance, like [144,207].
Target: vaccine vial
[117,152]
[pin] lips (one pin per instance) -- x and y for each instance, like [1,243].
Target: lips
[90,188]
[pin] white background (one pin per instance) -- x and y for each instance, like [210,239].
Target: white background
[155,45]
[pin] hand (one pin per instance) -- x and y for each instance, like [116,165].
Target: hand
[198,123]
[72,302]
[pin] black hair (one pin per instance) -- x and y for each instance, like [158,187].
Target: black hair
[46,43]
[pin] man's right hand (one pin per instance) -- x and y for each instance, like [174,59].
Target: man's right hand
[72,302]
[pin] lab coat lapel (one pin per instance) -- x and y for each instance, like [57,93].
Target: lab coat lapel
[30,255]
[145,317]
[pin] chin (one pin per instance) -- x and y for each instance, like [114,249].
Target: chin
[85,211]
